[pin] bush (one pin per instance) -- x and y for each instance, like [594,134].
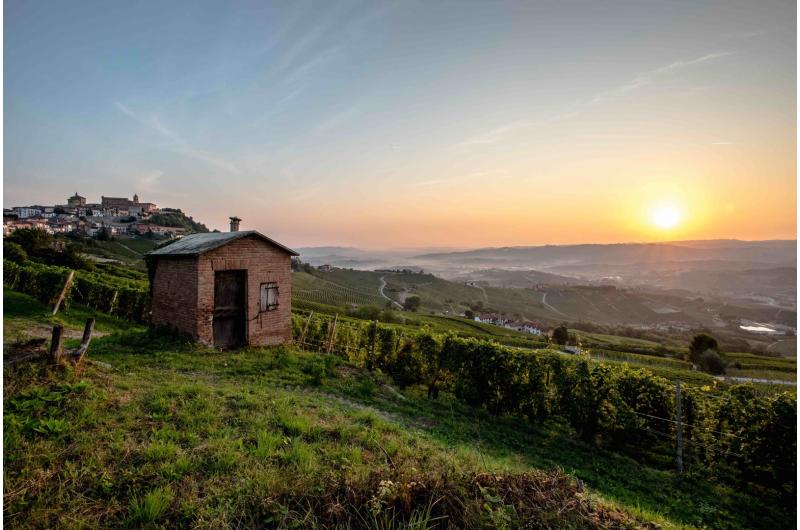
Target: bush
[412,303]
[710,361]
[701,343]
[561,335]
[14,252]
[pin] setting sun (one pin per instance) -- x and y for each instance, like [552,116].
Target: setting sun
[665,216]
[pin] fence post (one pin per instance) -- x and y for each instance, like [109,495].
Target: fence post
[305,328]
[78,355]
[56,343]
[63,292]
[333,333]
[679,431]
[113,301]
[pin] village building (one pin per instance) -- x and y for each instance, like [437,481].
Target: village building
[225,289]
[125,206]
[115,203]
[76,200]
[31,222]
[27,211]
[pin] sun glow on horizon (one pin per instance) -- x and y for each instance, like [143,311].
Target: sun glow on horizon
[665,216]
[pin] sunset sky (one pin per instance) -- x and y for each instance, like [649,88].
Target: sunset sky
[413,124]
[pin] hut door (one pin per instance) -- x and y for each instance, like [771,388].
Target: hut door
[229,309]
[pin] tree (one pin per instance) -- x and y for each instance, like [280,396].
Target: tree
[14,252]
[469,314]
[700,343]
[412,303]
[710,361]
[561,334]
[104,234]
[34,241]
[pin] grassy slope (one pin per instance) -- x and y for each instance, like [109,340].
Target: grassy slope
[176,434]
[140,245]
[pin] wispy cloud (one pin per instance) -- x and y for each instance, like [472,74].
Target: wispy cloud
[497,134]
[338,118]
[723,143]
[149,180]
[652,76]
[494,174]
[177,143]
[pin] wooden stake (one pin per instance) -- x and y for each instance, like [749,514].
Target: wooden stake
[56,343]
[63,292]
[113,301]
[77,355]
[679,432]
[333,333]
[305,328]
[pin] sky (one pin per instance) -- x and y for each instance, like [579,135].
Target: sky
[413,124]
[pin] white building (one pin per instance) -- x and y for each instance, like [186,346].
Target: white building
[26,211]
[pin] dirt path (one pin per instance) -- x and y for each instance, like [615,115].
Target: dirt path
[25,329]
[754,380]
[778,342]
[485,296]
[548,306]
[380,292]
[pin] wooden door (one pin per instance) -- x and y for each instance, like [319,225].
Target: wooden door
[230,320]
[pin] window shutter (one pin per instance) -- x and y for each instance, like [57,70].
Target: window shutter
[269,296]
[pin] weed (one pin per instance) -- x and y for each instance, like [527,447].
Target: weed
[151,507]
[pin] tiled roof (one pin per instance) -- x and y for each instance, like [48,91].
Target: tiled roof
[196,244]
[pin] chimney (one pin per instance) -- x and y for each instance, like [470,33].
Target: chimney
[235,223]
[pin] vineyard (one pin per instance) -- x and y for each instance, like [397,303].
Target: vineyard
[734,432]
[125,297]
[306,287]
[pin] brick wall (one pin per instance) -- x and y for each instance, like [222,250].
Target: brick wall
[174,290]
[264,263]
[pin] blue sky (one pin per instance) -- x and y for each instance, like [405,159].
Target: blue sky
[414,123]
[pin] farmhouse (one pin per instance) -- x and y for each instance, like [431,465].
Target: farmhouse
[225,289]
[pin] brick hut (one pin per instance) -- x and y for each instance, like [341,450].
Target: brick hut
[225,289]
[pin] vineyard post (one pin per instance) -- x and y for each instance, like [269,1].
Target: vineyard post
[56,343]
[305,328]
[78,355]
[372,347]
[113,301]
[679,431]
[63,292]
[333,333]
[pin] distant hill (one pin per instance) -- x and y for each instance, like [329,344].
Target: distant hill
[775,252]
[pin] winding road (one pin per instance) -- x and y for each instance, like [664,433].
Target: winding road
[548,306]
[380,292]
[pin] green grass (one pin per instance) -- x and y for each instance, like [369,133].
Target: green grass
[173,434]
[140,245]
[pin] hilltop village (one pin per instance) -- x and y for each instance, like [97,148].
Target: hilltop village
[112,216]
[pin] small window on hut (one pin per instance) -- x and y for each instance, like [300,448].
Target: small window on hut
[269,296]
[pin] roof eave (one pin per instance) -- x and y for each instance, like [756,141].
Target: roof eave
[154,253]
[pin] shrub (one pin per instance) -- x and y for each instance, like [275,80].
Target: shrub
[710,361]
[700,343]
[412,303]
[14,252]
